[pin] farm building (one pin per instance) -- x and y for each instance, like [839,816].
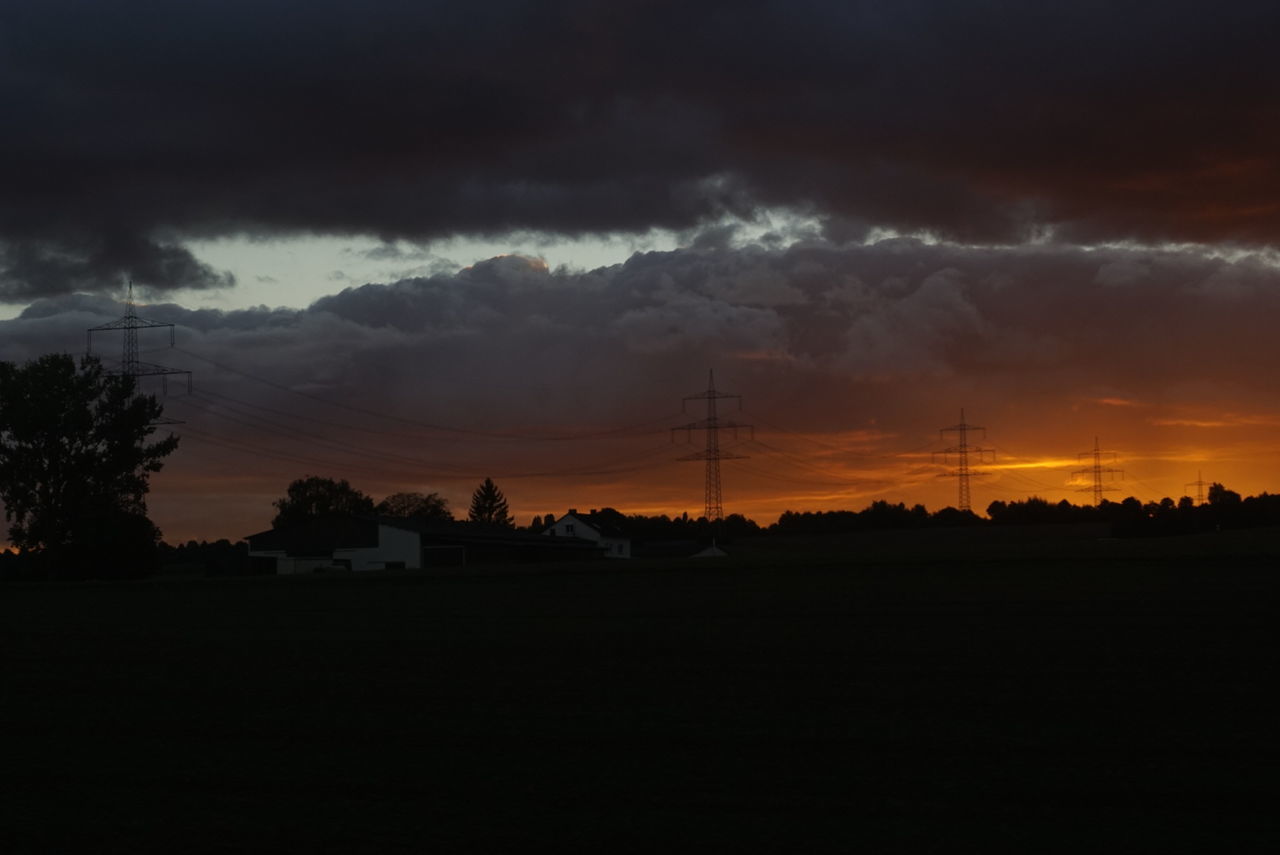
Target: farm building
[593,527]
[386,543]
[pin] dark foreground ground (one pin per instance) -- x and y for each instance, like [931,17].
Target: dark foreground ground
[1040,693]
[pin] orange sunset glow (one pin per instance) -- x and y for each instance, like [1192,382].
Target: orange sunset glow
[1042,453]
[522,275]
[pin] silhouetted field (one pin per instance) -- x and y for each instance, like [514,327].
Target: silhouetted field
[906,692]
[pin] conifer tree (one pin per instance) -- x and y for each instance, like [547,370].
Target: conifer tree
[488,505]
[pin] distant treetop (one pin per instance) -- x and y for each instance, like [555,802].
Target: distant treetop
[419,506]
[311,497]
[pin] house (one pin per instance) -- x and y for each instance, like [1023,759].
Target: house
[595,527]
[387,543]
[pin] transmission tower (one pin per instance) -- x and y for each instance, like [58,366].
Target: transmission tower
[130,364]
[1199,484]
[712,454]
[961,452]
[1097,471]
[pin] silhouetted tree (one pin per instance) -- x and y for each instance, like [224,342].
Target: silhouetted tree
[535,524]
[1037,511]
[420,506]
[111,544]
[949,516]
[219,558]
[737,525]
[488,505]
[879,515]
[311,497]
[1220,496]
[75,462]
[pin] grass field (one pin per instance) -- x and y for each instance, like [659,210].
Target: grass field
[899,692]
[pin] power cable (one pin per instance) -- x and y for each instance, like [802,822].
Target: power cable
[509,435]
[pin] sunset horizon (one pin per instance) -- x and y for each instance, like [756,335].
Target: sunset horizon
[402,248]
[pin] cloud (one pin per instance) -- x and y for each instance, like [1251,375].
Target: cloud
[1037,322]
[128,128]
[392,252]
[52,265]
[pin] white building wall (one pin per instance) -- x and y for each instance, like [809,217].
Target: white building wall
[394,545]
[616,547]
[570,526]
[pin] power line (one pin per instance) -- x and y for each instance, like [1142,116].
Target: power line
[1199,484]
[805,437]
[795,460]
[248,408]
[432,426]
[773,476]
[1026,479]
[1146,486]
[427,468]
[324,443]
[808,438]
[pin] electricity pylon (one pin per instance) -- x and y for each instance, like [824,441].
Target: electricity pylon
[130,365]
[1199,484]
[712,454]
[961,452]
[1097,471]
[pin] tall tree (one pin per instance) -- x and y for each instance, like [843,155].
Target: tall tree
[75,459]
[1220,496]
[488,505]
[420,506]
[311,497]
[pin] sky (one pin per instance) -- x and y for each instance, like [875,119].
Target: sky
[415,245]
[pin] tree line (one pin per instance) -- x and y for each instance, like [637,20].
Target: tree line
[1224,509]
[313,497]
[878,516]
[77,449]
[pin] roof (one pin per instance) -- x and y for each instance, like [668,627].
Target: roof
[319,536]
[599,522]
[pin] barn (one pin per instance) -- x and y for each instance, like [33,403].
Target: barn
[361,543]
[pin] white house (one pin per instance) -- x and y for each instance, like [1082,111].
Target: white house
[593,527]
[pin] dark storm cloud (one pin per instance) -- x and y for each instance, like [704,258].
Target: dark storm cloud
[31,268]
[897,326]
[979,121]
